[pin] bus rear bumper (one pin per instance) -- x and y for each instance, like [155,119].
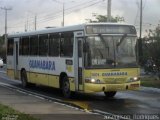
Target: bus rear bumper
[90,87]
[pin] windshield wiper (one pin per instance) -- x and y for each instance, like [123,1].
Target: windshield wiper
[103,40]
[121,40]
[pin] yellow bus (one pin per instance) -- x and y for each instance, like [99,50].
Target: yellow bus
[94,57]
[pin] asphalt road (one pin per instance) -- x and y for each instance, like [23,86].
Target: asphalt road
[143,101]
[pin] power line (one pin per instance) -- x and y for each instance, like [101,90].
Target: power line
[43,18]
[84,3]
[68,12]
[50,17]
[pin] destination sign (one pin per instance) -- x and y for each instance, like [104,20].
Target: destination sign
[110,29]
[109,74]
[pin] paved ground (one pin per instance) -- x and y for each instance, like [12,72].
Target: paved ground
[41,108]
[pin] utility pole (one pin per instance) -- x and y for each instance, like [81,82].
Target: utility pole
[109,11]
[26,23]
[141,10]
[63,4]
[140,32]
[5,10]
[63,15]
[35,22]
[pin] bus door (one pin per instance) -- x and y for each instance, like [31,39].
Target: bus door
[15,57]
[78,62]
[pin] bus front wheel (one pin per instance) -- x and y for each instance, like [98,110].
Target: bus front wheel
[66,88]
[110,94]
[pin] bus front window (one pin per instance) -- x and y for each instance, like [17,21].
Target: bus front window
[110,51]
[125,51]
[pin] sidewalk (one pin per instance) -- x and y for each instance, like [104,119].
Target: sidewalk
[41,108]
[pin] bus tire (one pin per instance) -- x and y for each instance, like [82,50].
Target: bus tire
[66,87]
[24,79]
[110,94]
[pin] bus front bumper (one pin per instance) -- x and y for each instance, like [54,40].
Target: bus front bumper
[90,87]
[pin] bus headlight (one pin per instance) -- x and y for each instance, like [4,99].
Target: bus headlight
[93,80]
[133,79]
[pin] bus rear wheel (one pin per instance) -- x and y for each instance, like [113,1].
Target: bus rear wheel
[66,87]
[24,79]
[110,94]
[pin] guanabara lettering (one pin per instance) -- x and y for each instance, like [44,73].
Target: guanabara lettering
[115,74]
[42,64]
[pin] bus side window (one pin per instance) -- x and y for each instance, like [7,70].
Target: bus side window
[10,46]
[34,45]
[24,46]
[20,46]
[54,40]
[79,48]
[67,44]
[43,45]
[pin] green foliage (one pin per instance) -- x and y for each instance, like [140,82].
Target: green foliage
[103,18]
[7,113]
[1,40]
[150,82]
[2,49]
[151,45]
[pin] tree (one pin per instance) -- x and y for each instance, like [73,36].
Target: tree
[103,18]
[1,40]
[151,45]
[2,49]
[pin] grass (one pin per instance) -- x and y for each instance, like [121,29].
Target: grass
[150,82]
[7,113]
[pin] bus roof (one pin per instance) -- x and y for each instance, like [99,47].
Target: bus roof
[62,29]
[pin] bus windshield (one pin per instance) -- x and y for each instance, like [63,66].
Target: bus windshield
[110,51]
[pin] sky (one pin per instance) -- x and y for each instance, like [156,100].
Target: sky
[49,13]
